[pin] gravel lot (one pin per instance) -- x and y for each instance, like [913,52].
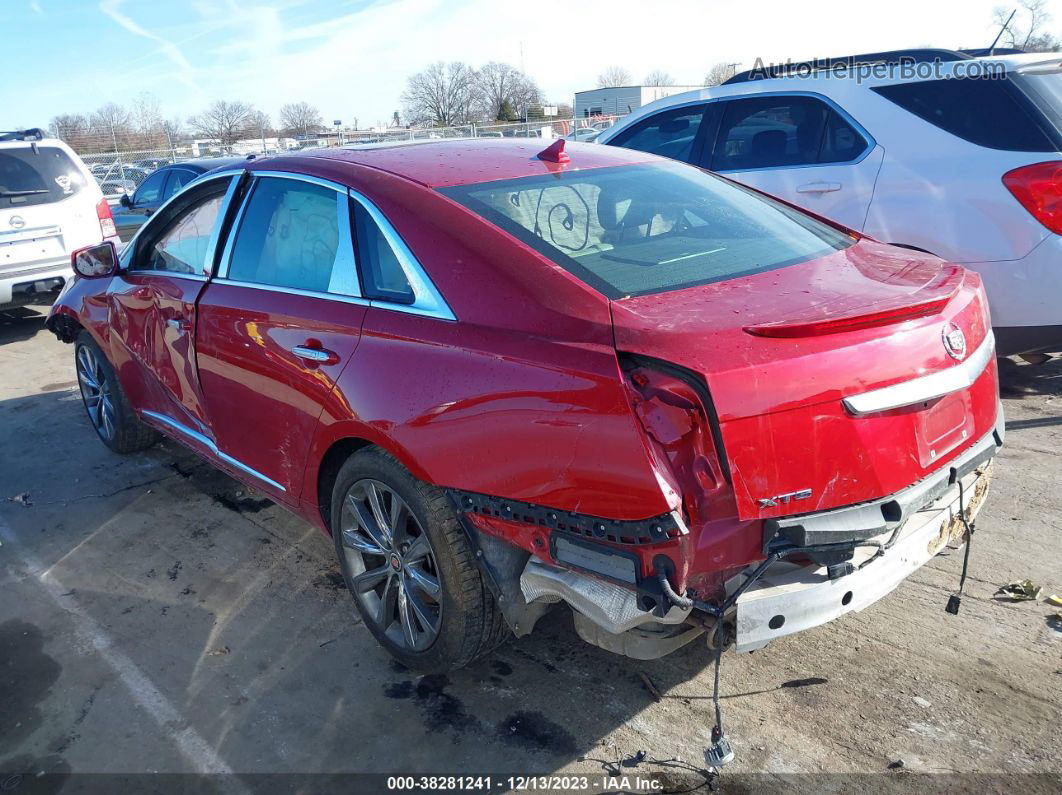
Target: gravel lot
[156,616]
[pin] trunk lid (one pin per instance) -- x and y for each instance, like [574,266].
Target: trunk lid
[781,350]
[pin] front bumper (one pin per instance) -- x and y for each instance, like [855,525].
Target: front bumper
[790,597]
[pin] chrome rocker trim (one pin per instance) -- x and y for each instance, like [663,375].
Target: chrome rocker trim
[209,445]
[926,387]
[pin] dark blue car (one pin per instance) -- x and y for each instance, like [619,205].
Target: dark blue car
[157,188]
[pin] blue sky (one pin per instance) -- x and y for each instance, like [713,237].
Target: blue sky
[352,58]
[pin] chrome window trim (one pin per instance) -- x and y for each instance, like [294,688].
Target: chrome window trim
[211,246]
[427,300]
[926,387]
[211,446]
[273,288]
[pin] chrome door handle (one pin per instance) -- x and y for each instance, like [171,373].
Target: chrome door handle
[315,355]
[178,323]
[819,187]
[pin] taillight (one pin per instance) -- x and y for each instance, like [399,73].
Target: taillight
[103,212]
[1039,190]
[674,417]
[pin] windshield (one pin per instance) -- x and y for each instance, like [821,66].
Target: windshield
[650,228]
[36,175]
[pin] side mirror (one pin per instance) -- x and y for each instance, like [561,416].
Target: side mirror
[94,262]
[125,201]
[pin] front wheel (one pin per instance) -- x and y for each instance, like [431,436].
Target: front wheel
[107,407]
[409,566]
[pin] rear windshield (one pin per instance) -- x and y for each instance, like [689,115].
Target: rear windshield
[650,228]
[37,175]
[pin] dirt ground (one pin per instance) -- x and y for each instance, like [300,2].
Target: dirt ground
[156,616]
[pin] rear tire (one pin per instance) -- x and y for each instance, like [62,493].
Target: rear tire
[413,575]
[105,403]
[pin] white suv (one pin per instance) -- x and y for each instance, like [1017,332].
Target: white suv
[50,206]
[942,151]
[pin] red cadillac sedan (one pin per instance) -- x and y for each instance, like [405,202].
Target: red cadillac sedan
[503,378]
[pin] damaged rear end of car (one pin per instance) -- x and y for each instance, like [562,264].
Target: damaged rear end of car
[819,412]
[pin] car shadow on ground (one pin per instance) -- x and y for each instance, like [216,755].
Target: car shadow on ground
[21,323]
[236,611]
[1018,379]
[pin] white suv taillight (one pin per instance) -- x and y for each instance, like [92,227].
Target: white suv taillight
[103,212]
[1039,189]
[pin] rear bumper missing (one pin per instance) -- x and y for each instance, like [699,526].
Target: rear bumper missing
[790,597]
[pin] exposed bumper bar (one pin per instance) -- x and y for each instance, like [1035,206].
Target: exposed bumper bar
[926,387]
[790,598]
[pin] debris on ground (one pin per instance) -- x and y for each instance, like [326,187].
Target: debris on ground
[1019,591]
[650,686]
[921,702]
[22,499]
[897,764]
[1055,599]
[218,652]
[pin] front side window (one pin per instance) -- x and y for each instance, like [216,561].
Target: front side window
[150,190]
[295,234]
[179,177]
[650,228]
[183,246]
[669,134]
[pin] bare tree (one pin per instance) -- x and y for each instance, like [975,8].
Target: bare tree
[614,76]
[147,121]
[69,126]
[259,123]
[502,90]
[443,94]
[720,73]
[1027,30]
[300,118]
[222,121]
[658,77]
[111,126]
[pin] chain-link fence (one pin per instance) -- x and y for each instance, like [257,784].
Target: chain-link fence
[122,172]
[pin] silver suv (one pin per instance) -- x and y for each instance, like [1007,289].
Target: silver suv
[50,206]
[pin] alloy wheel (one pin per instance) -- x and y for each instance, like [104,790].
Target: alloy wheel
[392,565]
[96,392]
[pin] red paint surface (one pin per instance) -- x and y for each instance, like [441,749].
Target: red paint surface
[524,396]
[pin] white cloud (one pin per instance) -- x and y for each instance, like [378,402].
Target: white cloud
[112,9]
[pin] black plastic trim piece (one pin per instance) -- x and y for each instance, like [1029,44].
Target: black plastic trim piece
[635,532]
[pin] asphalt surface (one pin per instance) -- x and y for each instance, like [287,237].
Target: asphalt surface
[156,616]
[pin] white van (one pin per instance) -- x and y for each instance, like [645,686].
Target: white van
[50,206]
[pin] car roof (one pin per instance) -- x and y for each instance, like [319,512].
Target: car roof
[446,163]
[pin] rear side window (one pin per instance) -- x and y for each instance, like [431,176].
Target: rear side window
[37,175]
[295,234]
[650,228]
[381,272]
[776,132]
[671,134]
[990,113]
